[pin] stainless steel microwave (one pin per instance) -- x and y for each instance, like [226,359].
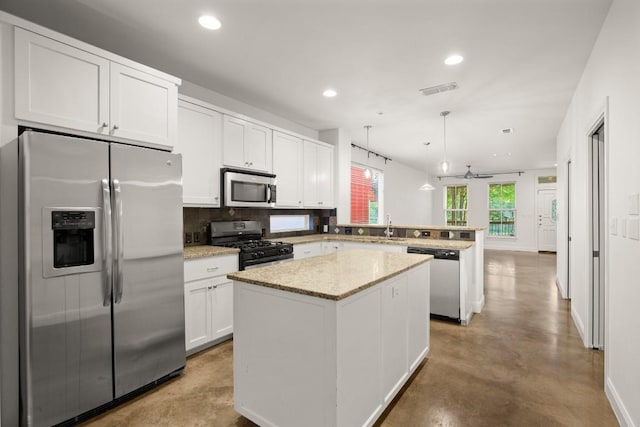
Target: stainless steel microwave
[246,189]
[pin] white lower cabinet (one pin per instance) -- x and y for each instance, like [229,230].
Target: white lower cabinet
[362,350]
[208,300]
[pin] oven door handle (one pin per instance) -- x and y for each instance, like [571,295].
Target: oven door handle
[107,261]
[118,243]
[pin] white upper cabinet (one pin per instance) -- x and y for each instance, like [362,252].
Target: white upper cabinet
[143,107]
[246,145]
[318,175]
[199,142]
[60,85]
[288,168]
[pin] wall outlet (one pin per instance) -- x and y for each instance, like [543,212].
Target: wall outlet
[188,237]
[325,228]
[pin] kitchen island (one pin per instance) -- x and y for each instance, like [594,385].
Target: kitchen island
[328,340]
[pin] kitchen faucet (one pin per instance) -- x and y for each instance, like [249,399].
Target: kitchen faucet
[388,232]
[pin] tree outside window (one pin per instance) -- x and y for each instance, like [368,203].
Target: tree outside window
[502,209]
[456,205]
[365,195]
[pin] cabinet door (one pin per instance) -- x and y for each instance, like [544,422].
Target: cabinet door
[233,136]
[394,335]
[143,107]
[310,178]
[221,307]
[418,305]
[287,166]
[197,313]
[199,142]
[324,176]
[60,85]
[257,148]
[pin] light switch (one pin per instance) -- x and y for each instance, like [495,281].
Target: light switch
[633,228]
[613,226]
[623,227]
[634,204]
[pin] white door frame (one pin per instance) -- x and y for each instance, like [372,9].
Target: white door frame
[568,241]
[601,119]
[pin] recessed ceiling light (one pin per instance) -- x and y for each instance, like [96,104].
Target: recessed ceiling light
[210,22]
[329,93]
[453,60]
[506,130]
[555,165]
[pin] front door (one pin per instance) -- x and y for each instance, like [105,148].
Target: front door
[547,218]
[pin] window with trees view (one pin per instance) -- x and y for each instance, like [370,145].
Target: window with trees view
[456,209]
[366,195]
[502,209]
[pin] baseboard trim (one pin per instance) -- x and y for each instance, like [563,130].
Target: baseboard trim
[623,416]
[579,325]
[561,289]
[477,306]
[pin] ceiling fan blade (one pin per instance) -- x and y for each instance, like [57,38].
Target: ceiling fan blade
[484,176]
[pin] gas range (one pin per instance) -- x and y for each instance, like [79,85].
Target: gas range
[247,236]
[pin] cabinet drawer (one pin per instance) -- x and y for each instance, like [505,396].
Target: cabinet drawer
[202,268]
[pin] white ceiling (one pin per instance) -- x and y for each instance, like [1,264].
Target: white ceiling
[523,60]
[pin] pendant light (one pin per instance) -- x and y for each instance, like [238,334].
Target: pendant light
[427,185]
[367,171]
[444,165]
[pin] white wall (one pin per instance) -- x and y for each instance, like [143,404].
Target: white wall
[526,238]
[402,199]
[220,100]
[611,73]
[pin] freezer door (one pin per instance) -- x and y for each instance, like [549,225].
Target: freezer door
[65,321]
[148,317]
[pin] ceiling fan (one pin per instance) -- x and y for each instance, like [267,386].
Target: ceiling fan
[471,175]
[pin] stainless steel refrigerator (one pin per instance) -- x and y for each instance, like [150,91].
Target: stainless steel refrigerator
[101,273]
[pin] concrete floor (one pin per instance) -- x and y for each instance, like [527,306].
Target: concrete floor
[519,363]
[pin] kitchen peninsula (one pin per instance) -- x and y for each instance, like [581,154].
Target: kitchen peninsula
[328,340]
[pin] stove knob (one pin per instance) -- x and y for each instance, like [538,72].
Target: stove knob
[261,253]
[254,255]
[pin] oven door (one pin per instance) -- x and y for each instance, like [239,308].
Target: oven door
[248,190]
[257,263]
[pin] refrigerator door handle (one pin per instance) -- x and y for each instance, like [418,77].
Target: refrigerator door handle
[107,259]
[118,242]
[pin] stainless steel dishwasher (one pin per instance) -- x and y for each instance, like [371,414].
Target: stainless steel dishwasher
[445,282]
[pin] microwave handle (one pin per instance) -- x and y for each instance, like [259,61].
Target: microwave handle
[271,193]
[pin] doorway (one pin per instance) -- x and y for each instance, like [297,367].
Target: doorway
[547,220]
[598,224]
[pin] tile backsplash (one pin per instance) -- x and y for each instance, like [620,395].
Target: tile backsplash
[196,221]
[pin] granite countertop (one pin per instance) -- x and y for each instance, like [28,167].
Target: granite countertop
[399,241]
[417,227]
[202,251]
[335,276]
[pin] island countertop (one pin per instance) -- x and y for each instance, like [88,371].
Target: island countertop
[334,276]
